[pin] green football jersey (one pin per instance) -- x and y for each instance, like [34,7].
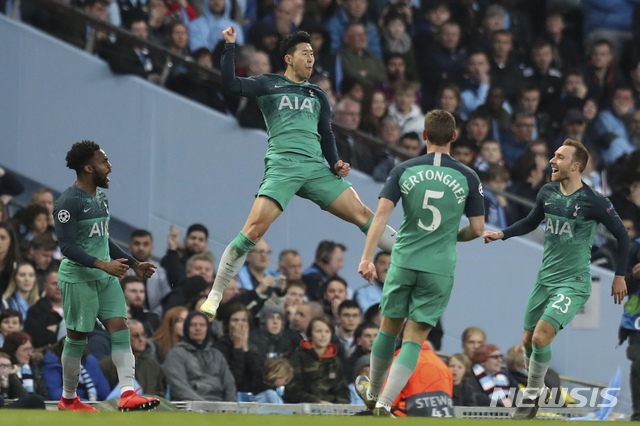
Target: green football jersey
[82,226]
[570,223]
[435,190]
[297,115]
[291,112]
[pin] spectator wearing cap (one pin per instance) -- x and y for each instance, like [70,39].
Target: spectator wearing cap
[175,260]
[362,366]
[574,127]
[272,338]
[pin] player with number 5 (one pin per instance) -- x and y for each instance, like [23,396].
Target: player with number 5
[435,190]
[570,212]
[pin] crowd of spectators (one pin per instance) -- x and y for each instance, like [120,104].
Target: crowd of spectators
[518,77]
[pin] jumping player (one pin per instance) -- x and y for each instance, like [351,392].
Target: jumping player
[298,119]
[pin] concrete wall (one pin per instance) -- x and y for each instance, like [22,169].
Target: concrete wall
[175,162]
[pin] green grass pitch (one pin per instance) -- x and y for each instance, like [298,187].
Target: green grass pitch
[54,418]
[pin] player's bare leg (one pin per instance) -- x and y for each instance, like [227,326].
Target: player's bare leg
[263,213]
[350,208]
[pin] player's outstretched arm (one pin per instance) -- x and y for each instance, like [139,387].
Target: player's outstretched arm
[378,225]
[618,289]
[490,236]
[231,83]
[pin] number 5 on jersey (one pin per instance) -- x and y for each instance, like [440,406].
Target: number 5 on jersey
[437,216]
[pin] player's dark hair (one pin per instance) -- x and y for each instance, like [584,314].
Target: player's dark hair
[289,42]
[581,154]
[440,127]
[80,154]
[139,233]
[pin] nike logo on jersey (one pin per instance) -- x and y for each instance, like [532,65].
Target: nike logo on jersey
[86,210]
[546,203]
[277,86]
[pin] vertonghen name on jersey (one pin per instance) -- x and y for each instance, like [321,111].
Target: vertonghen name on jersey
[447,179]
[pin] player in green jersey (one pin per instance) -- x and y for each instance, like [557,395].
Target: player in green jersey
[298,119]
[570,211]
[88,277]
[436,191]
